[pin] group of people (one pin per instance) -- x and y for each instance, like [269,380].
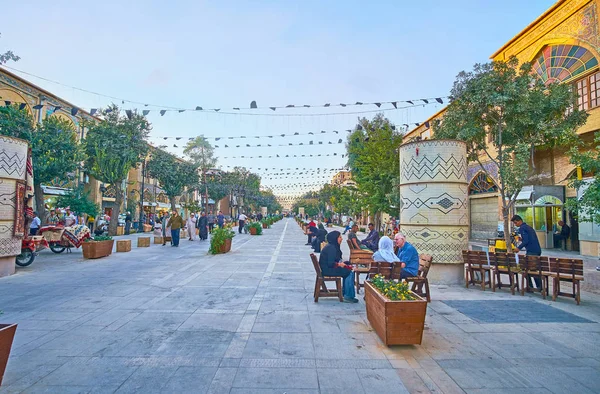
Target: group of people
[197,225]
[64,217]
[371,242]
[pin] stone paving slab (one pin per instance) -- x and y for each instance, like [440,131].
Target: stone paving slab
[177,320]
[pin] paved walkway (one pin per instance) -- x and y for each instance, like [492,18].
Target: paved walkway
[176,320]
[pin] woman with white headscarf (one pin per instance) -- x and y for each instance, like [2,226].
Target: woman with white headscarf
[386,251]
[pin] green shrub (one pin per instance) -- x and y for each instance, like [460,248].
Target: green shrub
[257,226]
[99,238]
[218,237]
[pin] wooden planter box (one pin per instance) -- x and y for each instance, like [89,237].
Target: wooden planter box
[226,247]
[252,231]
[120,231]
[124,245]
[143,242]
[396,322]
[265,225]
[97,249]
[147,228]
[158,240]
[7,333]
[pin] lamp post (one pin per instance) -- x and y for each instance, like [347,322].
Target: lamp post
[141,224]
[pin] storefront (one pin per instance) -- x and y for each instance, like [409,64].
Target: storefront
[542,207]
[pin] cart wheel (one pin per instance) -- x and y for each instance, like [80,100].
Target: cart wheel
[25,258]
[57,248]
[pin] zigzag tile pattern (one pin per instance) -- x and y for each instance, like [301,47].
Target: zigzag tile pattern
[425,168]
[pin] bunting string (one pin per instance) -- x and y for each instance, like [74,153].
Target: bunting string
[253,104]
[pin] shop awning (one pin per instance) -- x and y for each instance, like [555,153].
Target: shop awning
[525,194]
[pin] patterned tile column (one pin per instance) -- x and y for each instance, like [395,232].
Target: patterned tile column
[434,204]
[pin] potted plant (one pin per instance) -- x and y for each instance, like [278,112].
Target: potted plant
[7,334]
[396,313]
[99,246]
[220,240]
[266,223]
[255,228]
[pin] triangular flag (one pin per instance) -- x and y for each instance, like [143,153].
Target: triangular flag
[236,108]
[22,107]
[427,124]
[410,102]
[40,106]
[129,114]
[439,100]
[163,112]
[145,112]
[198,108]
[217,109]
[253,104]
[342,104]
[394,103]
[181,110]
[57,108]
[426,101]
[273,108]
[358,103]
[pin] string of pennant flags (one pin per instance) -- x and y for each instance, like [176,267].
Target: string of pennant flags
[252,106]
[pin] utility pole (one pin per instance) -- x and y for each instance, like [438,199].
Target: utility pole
[141,222]
[204,177]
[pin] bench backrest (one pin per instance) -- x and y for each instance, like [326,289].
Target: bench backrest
[351,245]
[566,266]
[534,263]
[425,261]
[504,259]
[475,258]
[316,264]
[382,268]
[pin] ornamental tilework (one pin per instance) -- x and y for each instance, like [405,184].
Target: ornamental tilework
[433,198]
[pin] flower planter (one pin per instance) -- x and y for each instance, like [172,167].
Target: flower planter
[97,249]
[265,225]
[7,333]
[226,247]
[396,322]
[252,231]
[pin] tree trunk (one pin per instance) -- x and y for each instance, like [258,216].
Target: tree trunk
[173,208]
[505,216]
[39,202]
[114,220]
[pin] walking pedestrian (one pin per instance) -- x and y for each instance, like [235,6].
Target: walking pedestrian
[242,221]
[203,226]
[128,223]
[35,225]
[176,223]
[165,228]
[220,219]
[191,227]
[211,221]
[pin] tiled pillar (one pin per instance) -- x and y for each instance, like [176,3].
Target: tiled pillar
[434,205]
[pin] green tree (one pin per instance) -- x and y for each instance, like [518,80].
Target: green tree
[174,175]
[201,154]
[8,56]
[49,144]
[504,113]
[373,159]
[114,146]
[79,201]
[588,205]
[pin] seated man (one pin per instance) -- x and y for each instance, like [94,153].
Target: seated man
[408,256]
[353,238]
[372,240]
[313,231]
[565,231]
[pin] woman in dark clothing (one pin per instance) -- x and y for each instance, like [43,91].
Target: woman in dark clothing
[202,224]
[331,264]
[321,237]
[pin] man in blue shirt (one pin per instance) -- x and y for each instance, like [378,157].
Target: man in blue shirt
[220,219]
[529,241]
[408,255]
[372,240]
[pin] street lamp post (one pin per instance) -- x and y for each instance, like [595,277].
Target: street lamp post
[141,224]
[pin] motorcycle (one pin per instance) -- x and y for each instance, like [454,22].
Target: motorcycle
[62,238]
[30,246]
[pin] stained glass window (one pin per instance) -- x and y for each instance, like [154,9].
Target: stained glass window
[548,200]
[482,184]
[560,63]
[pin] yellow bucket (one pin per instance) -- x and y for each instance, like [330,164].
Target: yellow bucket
[500,246]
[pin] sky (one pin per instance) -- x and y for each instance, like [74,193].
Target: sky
[225,54]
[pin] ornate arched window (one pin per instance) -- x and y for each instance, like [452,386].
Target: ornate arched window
[561,63]
[482,184]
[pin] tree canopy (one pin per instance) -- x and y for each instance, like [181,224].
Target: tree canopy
[115,145]
[504,112]
[173,174]
[588,205]
[201,153]
[373,160]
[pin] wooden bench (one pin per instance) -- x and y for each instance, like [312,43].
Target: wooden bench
[534,267]
[506,264]
[566,270]
[321,289]
[476,261]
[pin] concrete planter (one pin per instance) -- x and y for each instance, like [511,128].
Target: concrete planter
[97,249]
[396,322]
[7,334]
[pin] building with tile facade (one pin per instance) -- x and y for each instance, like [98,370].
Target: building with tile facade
[563,45]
